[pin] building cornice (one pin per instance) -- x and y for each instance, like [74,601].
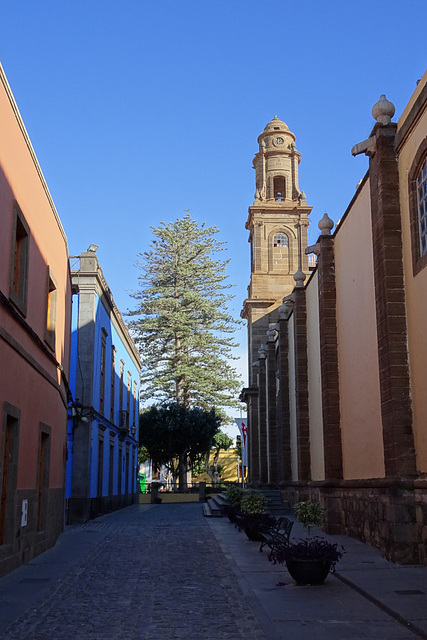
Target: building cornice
[267,212]
[256,303]
[248,392]
[409,123]
[95,280]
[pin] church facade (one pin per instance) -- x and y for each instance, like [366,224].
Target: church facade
[336,402]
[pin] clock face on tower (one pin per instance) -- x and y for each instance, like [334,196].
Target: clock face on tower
[279,140]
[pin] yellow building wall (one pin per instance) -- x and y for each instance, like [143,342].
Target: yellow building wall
[317,458]
[227,460]
[416,288]
[359,382]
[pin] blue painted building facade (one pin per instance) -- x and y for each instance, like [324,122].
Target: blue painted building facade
[102,432]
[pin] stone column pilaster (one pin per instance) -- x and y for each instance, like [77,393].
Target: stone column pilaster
[271,387]
[283,415]
[396,410]
[301,382]
[253,438]
[262,416]
[329,353]
[250,397]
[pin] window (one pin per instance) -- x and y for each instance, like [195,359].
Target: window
[278,253]
[51,310]
[19,261]
[122,366]
[128,392]
[280,240]
[113,381]
[100,483]
[422,206]
[135,406]
[279,188]
[417,191]
[43,476]
[9,442]
[102,382]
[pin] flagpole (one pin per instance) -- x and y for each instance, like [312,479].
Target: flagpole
[241,423]
[243,468]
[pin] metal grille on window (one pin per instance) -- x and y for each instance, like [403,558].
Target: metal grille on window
[422,207]
[280,240]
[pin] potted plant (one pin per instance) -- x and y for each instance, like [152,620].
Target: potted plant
[254,515]
[233,496]
[308,561]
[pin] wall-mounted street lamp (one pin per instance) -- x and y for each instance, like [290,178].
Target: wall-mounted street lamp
[133,430]
[80,413]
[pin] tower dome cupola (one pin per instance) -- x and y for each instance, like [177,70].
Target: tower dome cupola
[277,225]
[276,125]
[276,164]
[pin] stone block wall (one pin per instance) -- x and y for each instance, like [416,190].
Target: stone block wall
[386,514]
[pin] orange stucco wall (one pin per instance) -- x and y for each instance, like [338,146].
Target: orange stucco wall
[357,344]
[416,288]
[29,379]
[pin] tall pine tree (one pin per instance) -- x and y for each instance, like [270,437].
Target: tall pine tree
[182,324]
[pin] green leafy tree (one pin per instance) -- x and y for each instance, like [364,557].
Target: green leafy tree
[143,455]
[182,324]
[174,433]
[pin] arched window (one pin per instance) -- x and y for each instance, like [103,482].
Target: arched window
[279,187]
[417,191]
[422,206]
[281,240]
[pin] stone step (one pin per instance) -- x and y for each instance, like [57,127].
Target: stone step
[275,504]
[219,501]
[211,509]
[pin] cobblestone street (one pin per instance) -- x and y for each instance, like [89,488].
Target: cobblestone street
[164,572]
[156,573]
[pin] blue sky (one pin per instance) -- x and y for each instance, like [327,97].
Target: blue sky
[140,109]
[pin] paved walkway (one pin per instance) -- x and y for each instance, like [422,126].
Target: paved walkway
[165,572]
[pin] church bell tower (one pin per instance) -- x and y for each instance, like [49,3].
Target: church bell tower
[277,225]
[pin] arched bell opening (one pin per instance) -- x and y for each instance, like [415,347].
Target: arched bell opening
[279,188]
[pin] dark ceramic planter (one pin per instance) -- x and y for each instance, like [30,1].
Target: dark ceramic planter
[308,571]
[253,533]
[232,513]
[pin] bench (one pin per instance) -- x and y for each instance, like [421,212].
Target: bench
[278,534]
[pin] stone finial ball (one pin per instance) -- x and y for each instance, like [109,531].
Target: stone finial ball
[326,225]
[383,110]
[299,278]
[283,311]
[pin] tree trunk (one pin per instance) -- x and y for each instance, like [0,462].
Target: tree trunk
[207,467]
[183,472]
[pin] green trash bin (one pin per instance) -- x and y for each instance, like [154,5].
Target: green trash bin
[142,483]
